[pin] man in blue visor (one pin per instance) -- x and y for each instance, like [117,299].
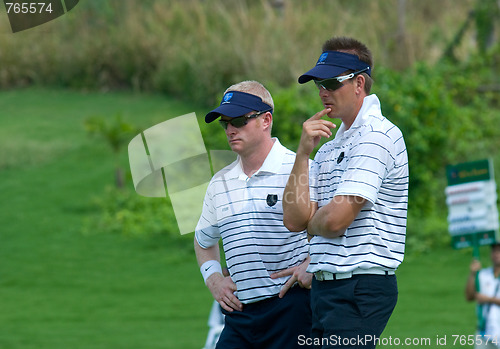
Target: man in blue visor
[356,215]
[265,298]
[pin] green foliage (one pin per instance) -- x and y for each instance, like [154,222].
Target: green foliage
[487,13]
[116,132]
[444,120]
[125,212]
[195,49]
[426,233]
[292,106]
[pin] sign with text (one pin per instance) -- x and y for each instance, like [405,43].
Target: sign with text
[472,204]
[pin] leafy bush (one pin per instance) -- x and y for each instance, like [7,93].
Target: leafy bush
[125,212]
[444,120]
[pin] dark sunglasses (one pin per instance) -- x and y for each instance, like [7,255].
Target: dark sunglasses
[240,121]
[333,84]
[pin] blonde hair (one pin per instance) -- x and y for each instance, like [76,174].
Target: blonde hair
[254,88]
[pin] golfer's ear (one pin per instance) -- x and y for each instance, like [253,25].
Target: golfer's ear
[267,120]
[360,82]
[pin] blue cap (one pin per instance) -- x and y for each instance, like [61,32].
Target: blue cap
[236,103]
[333,63]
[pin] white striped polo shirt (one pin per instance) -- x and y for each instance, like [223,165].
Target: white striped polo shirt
[489,313]
[247,213]
[368,160]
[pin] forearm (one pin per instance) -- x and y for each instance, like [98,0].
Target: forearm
[206,254]
[333,219]
[470,287]
[495,300]
[324,224]
[209,262]
[297,207]
[484,299]
[221,287]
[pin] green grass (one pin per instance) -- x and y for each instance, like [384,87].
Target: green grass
[431,300]
[60,288]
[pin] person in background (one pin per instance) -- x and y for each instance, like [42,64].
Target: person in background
[483,286]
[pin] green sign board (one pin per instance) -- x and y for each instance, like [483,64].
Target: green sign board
[472,240]
[467,172]
[464,201]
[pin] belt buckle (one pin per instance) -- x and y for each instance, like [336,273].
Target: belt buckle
[319,275]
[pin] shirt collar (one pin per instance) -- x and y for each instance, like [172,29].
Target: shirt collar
[371,106]
[274,159]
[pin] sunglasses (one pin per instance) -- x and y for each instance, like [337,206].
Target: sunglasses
[333,84]
[240,121]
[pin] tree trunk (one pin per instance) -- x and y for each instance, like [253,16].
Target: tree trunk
[119,178]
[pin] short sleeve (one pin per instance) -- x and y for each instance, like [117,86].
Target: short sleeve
[207,232]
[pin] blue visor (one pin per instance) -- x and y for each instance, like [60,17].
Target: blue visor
[333,63]
[236,103]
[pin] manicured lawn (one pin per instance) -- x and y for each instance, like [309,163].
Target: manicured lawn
[431,301]
[61,288]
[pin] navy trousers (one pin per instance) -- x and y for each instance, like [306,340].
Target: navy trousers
[352,313]
[273,323]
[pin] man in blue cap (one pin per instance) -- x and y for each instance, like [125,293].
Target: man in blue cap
[356,214]
[243,206]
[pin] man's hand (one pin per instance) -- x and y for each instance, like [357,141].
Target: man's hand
[222,289]
[298,274]
[475,266]
[470,287]
[312,130]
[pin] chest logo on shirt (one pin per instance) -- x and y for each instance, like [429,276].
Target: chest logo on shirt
[340,158]
[272,199]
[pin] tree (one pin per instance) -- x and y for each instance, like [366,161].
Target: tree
[117,133]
